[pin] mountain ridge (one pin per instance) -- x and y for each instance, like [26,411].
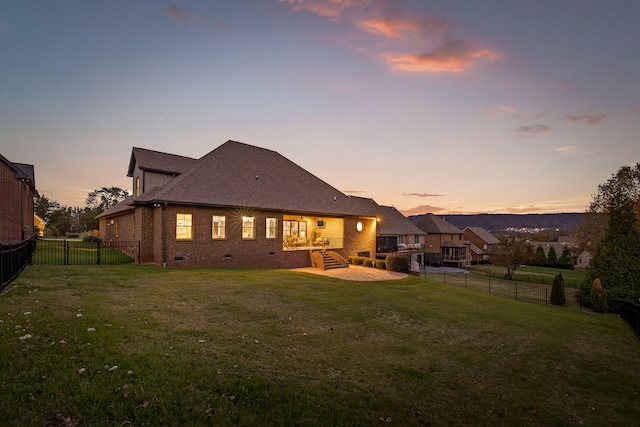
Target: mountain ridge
[498,222]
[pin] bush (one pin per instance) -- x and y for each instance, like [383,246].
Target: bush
[598,297]
[399,263]
[558,296]
[381,264]
[72,235]
[356,260]
[89,236]
[368,262]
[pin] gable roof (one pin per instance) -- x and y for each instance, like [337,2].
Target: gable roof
[483,234]
[23,171]
[155,161]
[393,222]
[432,224]
[242,175]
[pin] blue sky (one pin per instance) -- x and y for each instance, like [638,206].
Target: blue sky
[429,106]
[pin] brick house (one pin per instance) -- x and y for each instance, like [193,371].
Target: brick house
[481,243]
[237,206]
[444,241]
[17,190]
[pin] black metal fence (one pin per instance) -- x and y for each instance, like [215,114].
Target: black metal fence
[14,258]
[630,314]
[537,294]
[76,252]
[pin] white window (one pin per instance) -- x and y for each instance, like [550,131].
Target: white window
[184,226]
[248,227]
[272,228]
[218,227]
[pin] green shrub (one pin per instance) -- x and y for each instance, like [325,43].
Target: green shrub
[381,264]
[72,235]
[368,262]
[356,260]
[558,296]
[89,236]
[399,263]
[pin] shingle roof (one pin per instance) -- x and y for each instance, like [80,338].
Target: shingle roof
[432,224]
[242,175]
[486,237]
[155,161]
[122,206]
[393,222]
[23,171]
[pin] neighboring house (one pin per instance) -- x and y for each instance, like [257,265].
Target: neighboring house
[481,243]
[397,233]
[444,241]
[237,206]
[583,259]
[17,191]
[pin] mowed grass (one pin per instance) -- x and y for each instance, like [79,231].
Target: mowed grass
[222,347]
[545,275]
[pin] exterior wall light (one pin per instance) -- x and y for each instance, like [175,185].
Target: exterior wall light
[359,226]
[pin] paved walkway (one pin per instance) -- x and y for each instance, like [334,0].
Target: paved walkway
[356,273]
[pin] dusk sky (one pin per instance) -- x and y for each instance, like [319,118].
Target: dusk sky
[430,106]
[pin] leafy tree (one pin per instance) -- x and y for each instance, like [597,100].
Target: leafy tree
[552,257]
[566,260]
[616,260]
[105,198]
[558,296]
[44,208]
[626,183]
[539,258]
[62,220]
[512,254]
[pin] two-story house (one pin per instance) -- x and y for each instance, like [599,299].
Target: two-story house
[237,206]
[17,191]
[444,243]
[481,243]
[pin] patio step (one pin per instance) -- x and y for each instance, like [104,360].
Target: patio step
[330,262]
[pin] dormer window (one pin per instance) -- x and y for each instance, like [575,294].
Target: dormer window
[137,189]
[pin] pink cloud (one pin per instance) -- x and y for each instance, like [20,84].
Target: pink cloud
[587,119]
[455,56]
[405,32]
[332,9]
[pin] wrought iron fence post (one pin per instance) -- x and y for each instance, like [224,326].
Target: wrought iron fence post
[516,290]
[546,297]
[66,253]
[98,252]
[489,284]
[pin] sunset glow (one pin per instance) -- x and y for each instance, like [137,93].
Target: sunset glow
[440,106]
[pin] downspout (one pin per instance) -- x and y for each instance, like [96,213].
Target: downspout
[22,209]
[164,235]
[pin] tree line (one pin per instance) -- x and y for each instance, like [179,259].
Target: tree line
[610,231]
[60,219]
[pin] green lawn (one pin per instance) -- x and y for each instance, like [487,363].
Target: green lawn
[545,275]
[76,252]
[278,348]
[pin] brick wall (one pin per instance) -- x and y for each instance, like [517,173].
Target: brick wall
[11,219]
[233,251]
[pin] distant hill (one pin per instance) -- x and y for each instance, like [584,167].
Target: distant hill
[496,222]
